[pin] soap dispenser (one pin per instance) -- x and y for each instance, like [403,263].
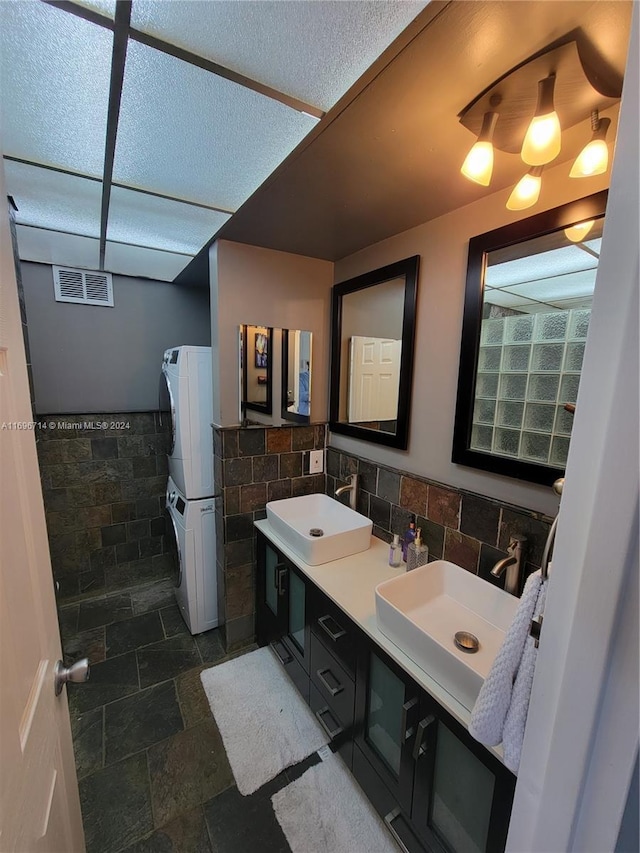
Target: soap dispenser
[417,552]
[395,552]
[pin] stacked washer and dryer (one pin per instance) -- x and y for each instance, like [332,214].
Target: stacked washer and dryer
[186,398]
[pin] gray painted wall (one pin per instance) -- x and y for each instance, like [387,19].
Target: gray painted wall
[93,359]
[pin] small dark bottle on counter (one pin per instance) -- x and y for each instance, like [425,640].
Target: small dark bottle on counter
[409,536]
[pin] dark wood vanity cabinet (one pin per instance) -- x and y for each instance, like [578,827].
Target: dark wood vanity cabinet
[435,787]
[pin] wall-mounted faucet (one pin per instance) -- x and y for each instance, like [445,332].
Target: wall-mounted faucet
[511,564]
[352,488]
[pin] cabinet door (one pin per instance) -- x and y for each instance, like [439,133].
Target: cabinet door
[271,593]
[387,710]
[297,625]
[462,795]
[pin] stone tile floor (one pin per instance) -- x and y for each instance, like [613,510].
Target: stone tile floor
[153,773]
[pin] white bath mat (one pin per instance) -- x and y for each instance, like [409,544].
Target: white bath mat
[265,724]
[325,810]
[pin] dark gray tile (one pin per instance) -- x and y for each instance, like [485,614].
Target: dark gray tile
[210,646]
[166,659]
[520,524]
[186,770]
[158,526]
[239,527]
[303,438]
[126,552]
[480,518]
[150,547]
[251,442]
[400,520]
[124,511]
[186,834]
[153,597]
[116,805]
[380,512]
[114,534]
[108,680]
[68,619]
[102,558]
[290,465]
[238,553]
[173,623]
[93,581]
[87,729]
[138,529]
[104,448]
[348,466]
[128,635]
[90,644]
[144,466]
[432,536]
[230,443]
[238,471]
[238,823]
[278,490]
[368,473]
[389,486]
[333,463]
[141,720]
[103,611]
[265,468]
[362,502]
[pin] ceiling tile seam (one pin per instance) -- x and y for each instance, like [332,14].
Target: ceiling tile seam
[118,58]
[110,240]
[118,184]
[191,58]
[539,278]
[222,71]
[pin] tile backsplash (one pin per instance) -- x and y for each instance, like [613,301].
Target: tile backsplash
[104,493]
[460,526]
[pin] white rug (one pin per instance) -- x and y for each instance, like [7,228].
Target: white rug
[324,811]
[265,724]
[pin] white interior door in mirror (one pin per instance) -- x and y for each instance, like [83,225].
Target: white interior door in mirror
[374,373]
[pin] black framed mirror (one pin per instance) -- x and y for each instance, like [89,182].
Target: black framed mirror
[527,307]
[372,343]
[296,376]
[256,368]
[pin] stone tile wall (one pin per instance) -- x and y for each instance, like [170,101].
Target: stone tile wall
[253,466]
[465,528]
[104,501]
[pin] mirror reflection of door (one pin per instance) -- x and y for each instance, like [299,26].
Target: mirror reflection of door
[255,363]
[296,375]
[374,375]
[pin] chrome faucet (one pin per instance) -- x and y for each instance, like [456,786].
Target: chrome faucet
[511,564]
[352,488]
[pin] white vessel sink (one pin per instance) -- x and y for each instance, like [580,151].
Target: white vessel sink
[421,611]
[344,531]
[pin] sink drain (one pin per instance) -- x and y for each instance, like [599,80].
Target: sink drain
[466,642]
[316,531]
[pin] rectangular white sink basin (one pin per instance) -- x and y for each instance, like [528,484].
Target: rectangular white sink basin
[344,531]
[421,611]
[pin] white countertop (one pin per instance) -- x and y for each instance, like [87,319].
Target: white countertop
[351,583]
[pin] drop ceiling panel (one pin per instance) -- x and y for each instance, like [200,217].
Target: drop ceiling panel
[51,247]
[55,72]
[159,223]
[186,132]
[569,286]
[104,7]
[145,263]
[54,200]
[312,50]
[557,262]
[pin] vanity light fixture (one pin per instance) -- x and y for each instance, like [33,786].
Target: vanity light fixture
[527,191]
[577,233]
[552,91]
[478,164]
[543,139]
[594,157]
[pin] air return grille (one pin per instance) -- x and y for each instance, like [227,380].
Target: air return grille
[86,288]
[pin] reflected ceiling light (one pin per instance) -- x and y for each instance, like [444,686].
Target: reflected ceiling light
[577,233]
[478,164]
[542,141]
[594,157]
[527,191]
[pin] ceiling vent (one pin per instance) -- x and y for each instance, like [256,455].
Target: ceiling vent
[83,287]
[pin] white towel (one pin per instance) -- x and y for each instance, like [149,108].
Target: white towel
[500,712]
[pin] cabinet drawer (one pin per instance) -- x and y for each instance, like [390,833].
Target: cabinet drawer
[335,630]
[292,667]
[332,682]
[339,735]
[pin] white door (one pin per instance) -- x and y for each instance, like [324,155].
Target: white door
[40,806]
[374,376]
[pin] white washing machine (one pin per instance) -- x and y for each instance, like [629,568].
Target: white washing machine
[186,395]
[194,526]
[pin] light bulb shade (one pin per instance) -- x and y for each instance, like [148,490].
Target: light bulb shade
[478,164]
[543,139]
[577,233]
[594,157]
[527,191]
